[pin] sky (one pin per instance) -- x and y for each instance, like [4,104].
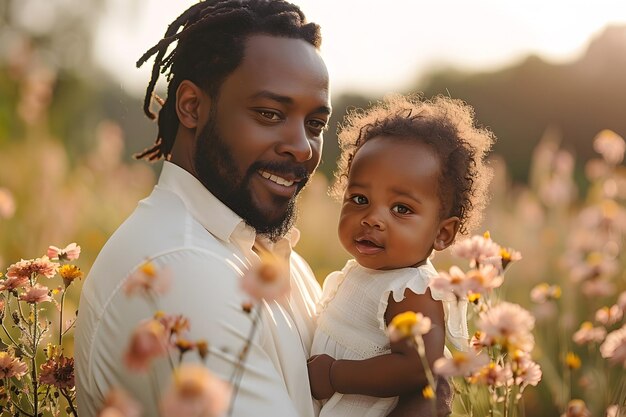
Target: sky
[375,47]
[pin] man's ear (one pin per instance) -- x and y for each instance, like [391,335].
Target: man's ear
[190,104]
[448,229]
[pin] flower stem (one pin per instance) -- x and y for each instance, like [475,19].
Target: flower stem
[61,320]
[421,351]
[69,402]
[235,379]
[34,362]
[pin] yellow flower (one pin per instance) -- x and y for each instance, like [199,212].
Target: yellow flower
[408,324]
[487,235]
[572,360]
[148,269]
[428,392]
[69,273]
[403,323]
[473,297]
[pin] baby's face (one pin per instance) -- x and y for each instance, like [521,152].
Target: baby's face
[390,215]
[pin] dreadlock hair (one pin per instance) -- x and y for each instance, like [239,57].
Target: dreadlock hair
[448,127]
[211,39]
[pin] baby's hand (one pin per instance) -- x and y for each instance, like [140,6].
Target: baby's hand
[319,376]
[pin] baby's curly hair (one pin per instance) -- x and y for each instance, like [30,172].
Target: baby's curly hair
[445,124]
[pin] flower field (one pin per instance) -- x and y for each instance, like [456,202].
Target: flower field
[568,223]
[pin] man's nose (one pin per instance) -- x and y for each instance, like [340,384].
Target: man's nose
[296,143]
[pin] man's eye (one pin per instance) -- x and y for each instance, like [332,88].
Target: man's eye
[270,115]
[359,199]
[401,209]
[318,124]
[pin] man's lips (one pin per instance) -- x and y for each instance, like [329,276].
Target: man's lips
[284,180]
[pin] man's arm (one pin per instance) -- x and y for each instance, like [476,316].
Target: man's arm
[206,290]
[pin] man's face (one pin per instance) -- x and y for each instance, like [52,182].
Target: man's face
[264,138]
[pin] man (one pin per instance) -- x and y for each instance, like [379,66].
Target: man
[241,131]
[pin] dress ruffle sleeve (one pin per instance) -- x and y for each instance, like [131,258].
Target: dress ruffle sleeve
[331,285]
[455,311]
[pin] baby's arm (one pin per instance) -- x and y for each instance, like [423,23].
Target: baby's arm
[397,373]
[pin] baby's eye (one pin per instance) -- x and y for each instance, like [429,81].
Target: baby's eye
[401,209]
[359,199]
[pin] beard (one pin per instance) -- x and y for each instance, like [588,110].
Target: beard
[217,170]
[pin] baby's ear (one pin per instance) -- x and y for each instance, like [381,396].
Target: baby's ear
[448,229]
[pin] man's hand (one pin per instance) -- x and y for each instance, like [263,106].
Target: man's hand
[319,376]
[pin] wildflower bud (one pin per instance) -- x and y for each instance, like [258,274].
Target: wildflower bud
[246,307]
[183,345]
[572,360]
[202,347]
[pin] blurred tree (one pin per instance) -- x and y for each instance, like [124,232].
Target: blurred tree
[520,103]
[53,40]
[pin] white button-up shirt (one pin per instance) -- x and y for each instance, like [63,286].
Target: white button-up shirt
[181,225]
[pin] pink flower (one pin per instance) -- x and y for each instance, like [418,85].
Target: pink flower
[609,315]
[594,266]
[174,324]
[587,333]
[610,145]
[7,204]
[476,281]
[598,288]
[148,341]
[11,367]
[614,346]
[455,282]
[36,294]
[526,371]
[11,283]
[147,279]
[509,326]
[58,371]
[494,375]
[195,391]
[484,279]
[621,300]
[544,292]
[39,266]
[576,408]
[476,249]
[612,411]
[460,364]
[118,403]
[268,279]
[68,253]
[509,255]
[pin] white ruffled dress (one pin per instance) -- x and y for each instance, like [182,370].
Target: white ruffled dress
[351,324]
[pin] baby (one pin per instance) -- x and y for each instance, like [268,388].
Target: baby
[411,175]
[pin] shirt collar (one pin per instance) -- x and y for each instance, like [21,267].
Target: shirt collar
[211,213]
